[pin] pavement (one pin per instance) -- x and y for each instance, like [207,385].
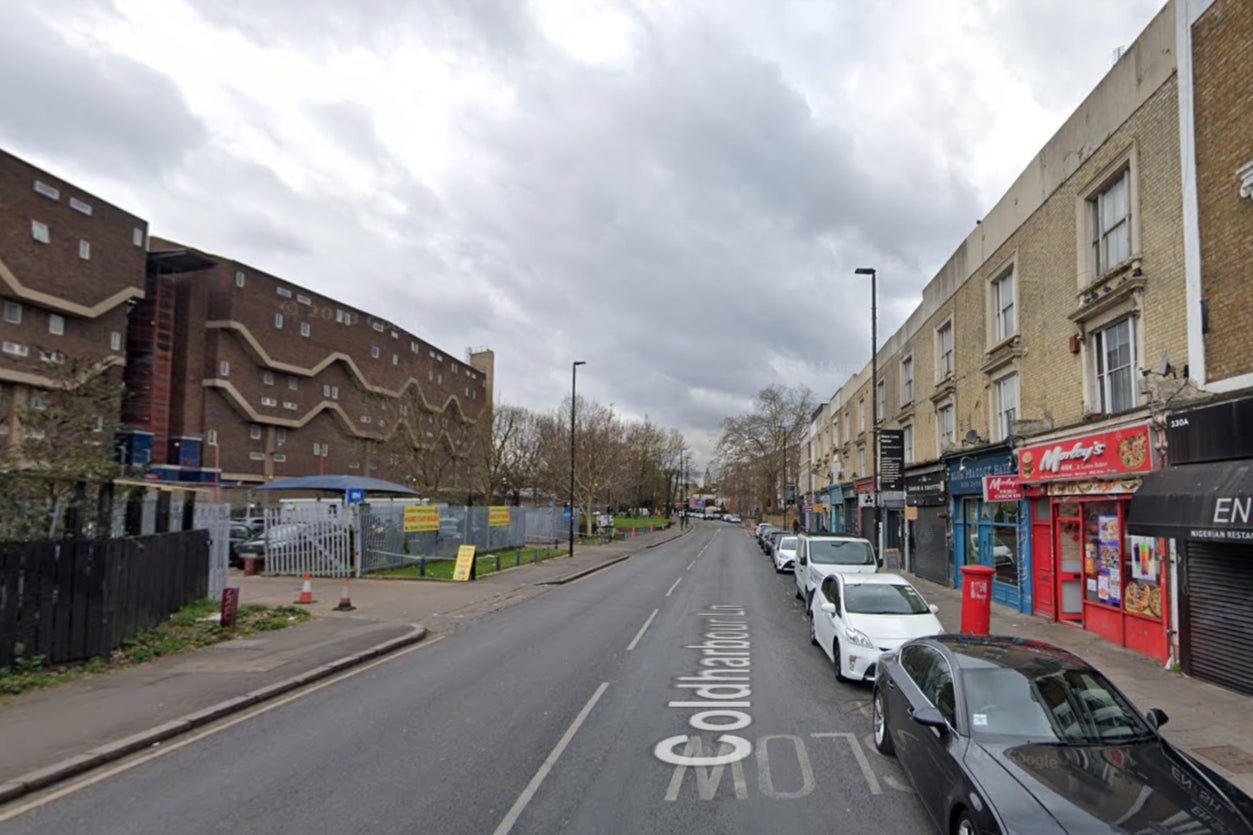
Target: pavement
[54,734]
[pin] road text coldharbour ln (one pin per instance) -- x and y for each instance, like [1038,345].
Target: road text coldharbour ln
[719,693]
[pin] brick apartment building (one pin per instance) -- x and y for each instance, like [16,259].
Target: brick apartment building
[233,376]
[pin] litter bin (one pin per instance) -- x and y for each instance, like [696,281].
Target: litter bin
[976,599]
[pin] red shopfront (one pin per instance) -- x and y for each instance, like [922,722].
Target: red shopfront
[1087,570]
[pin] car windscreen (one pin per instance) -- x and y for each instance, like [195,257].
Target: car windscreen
[883,599]
[787,543]
[1074,706]
[840,552]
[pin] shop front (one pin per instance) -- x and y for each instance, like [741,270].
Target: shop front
[1198,512]
[927,529]
[1087,570]
[986,527]
[865,499]
[850,524]
[835,500]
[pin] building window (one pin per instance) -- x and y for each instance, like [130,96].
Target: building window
[881,398]
[944,426]
[366,419]
[395,359]
[1111,224]
[378,326]
[283,291]
[303,300]
[944,351]
[79,206]
[280,435]
[137,236]
[907,442]
[211,437]
[861,415]
[293,383]
[12,313]
[224,368]
[84,250]
[305,329]
[39,231]
[268,401]
[278,321]
[374,351]
[279,457]
[907,381]
[254,432]
[115,341]
[47,190]
[1006,393]
[16,349]
[1114,350]
[56,324]
[240,278]
[835,428]
[257,456]
[1003,304]
[290,406]
[861,460]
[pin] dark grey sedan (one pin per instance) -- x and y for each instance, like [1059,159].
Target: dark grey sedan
[1006,735]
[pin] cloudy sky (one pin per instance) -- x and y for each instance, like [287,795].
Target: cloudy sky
[675,191]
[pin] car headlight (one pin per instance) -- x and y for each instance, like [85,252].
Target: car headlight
[856,636]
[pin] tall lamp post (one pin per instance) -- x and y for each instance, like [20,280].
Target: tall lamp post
[574,378]
[874,400]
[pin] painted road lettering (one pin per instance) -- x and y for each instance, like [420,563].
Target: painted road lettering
[720,692]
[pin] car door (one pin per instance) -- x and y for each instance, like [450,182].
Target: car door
[938,750]
[802,565]
[824,624]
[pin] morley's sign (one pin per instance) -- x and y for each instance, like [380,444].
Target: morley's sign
[1002,488]
[1101,455]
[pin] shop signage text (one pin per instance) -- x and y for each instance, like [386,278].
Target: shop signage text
[1002,488]
[1121,452]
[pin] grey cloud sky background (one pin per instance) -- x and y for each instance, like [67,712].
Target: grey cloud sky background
[675,192]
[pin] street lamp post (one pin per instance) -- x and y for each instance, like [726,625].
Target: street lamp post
[574,377]
[874,401]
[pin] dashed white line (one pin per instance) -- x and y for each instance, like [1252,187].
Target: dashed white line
[690,564]
[640,634]
[676,585]
[523,799]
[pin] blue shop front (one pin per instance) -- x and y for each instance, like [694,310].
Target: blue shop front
[990,532]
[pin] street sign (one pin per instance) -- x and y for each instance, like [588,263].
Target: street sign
[891,459]
[464,570]
[355,495]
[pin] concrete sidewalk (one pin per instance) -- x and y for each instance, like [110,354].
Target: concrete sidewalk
[1210,722]
[51,735]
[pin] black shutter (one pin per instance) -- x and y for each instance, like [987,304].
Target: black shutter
[1217,614]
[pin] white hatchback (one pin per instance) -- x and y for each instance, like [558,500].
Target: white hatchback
[785,554]
[858,617]
[821,556]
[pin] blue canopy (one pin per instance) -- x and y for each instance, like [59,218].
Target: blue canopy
[339,484]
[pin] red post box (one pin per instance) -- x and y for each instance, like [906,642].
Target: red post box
[976,599]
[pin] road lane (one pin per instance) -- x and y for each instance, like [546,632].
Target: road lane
[449,738]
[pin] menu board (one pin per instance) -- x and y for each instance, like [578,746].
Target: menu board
[1109,561]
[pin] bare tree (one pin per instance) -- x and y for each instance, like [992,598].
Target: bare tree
[767,439]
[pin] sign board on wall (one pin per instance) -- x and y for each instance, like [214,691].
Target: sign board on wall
[891,459]
[421,519]
[498,516]
[1100,455]
[1002,488]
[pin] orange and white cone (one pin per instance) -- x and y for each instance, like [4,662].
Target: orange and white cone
[306,592]
[345,601]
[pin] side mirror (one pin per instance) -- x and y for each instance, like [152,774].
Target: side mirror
[801,559]
[828,607]
[935,610]
[929,716]
[1156,718]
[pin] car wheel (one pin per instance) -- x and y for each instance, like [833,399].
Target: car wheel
[964,824]
[813,636]
[882,739]
[839,661]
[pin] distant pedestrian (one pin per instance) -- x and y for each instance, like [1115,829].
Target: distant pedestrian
[796,526]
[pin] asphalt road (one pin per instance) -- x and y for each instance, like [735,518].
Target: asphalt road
[592,708]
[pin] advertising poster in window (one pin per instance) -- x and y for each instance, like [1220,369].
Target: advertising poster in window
[1109,561]
[1143,595]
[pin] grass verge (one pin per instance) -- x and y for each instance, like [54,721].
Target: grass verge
[186,629]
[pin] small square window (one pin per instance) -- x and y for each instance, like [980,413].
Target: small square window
[278,321]
[395,359]
[39,231]
[56,324]
[254,432]
[279,457]
[16,349]
[115,341]
[80,206]
[84,250]
[137,236]
[267,378]
[303,300]
[280,435]
[257,456]
[283,291]
[47,190]
[293,383]
[374,351]
[12,313]
[268,401]
[211,437]
[240,278]
[290,406]
[305,330]
[224,368]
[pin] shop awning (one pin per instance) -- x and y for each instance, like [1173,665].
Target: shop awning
[1196,501]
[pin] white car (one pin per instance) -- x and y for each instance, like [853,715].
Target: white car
[785,554]
[858,617]
[820,556]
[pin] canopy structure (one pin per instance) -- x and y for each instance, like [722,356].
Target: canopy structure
[1213,500]
[340,484]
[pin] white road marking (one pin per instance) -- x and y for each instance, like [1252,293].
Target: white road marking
[640,634]
[169,747]
[690,564]
[855,744]
[675,586]
[766,780]
[523,799]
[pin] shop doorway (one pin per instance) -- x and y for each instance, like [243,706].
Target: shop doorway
[1068,548]
[1043,558]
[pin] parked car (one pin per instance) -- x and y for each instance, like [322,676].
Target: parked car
[298,537]
[861,616]
[772,539]
[733,517]
[239,534]
[785,554]
[1001,734]
[819,556]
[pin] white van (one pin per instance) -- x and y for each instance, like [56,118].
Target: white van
[820,556]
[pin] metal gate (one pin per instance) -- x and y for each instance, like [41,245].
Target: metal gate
[216,519]
[318,538]
[1217,615]
[929,546]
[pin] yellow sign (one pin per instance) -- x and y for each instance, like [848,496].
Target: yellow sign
[465,563]
[498,516]
[421,518]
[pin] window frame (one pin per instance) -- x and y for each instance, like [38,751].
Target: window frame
[56,324]
[944,360]
[945,439]
[907,380]
[1003,426]
[1103,401]
[12,312]
[1004,312]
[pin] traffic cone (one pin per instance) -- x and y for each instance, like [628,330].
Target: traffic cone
[345,602]
[306,592]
